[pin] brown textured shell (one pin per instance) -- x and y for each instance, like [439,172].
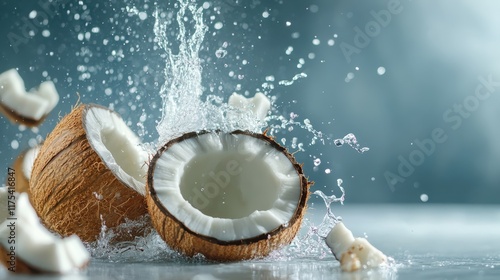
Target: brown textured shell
[68,175]
[181,238]
[21,266]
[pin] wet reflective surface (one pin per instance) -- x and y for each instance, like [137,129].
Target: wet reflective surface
[426,242]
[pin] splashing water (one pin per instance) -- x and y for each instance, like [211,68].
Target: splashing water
[351,140]
[185,108]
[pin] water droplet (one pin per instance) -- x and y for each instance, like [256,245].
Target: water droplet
[381,70]
[338,142]
[328,171]
[220,53]
[218,25]
[317,162]
[424,197]
[14,144]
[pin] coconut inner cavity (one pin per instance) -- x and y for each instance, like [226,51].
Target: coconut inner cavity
[227,186]
[224,184]
[117,146]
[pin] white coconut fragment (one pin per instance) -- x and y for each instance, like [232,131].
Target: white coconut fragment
[29,159]
[36,248]
[353,253]
[30,107]
[259,104]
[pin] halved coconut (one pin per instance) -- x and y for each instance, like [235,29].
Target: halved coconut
[27,247]
[90,171]
[228,196]
[25,108]
[23,166]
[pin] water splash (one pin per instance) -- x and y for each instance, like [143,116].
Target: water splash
[182,89]
[183,108]
[351,140]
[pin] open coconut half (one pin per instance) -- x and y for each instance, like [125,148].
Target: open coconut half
[27,247]
[90,171]
[23,166]
[25,108]
[228,196]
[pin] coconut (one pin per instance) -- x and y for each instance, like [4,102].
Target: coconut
[89,172]
[23,166]
[27,247]
[25,108]
[353,253]
[227,196]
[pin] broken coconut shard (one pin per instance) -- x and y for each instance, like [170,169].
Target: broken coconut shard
[36,250]
[90,171]
[21,107]
[259,104]
[353,253]
[227,196]
[23,166]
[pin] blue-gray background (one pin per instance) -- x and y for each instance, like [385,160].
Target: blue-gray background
[433,53]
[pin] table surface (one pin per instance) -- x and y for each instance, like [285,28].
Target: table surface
[426,242]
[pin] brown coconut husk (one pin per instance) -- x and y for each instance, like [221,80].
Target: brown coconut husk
[72,189]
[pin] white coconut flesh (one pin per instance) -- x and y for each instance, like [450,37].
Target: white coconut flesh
[39,248]
[117,146]
[259,104]
[227,186]
[33,105]
[28,160]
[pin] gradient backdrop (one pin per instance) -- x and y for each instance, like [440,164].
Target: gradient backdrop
[418,82]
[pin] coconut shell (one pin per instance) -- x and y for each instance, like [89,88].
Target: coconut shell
[182,239]
[72,190]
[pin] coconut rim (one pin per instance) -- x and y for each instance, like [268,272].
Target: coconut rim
[301,203]
[136,185]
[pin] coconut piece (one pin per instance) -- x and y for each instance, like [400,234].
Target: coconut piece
[353,253]
[228,196]
[33,249]
[23,166]
[90,171]
[25,108]
[259,104]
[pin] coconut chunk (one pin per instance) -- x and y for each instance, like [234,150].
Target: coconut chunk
[228,196]
[353,253]
[35,248]
[259,104]
[22,107]
[90,171]
[23,166]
